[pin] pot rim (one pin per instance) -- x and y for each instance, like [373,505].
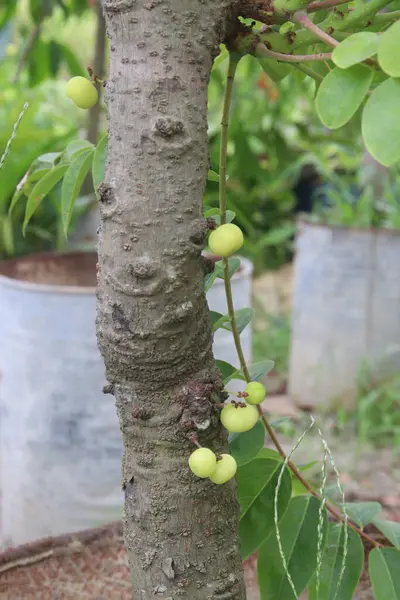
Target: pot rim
[301,222]
[245,271]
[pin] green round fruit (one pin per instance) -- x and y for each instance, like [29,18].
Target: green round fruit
[225,240]
[225,469]
[256,392]
[237,419]
[202,462]
[82,92]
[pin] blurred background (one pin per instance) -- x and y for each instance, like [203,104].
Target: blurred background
[321,223]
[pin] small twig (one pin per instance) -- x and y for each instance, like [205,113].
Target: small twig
[324,4]
[303,19]
[309,72]
[263,52]
[26,51]
[195,441]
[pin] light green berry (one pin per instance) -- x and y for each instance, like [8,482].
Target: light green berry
[82,92]
[202,462]
[226,469]
[256,392]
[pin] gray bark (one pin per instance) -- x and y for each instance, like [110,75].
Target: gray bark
[153,325]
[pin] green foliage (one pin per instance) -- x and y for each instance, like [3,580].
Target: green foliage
[298,532]
[257,482]
[389,50]
[363,513]
[390,529]
[332,563]
[380,130]
[384,570]
[341,93]
[246,446]
[355,49]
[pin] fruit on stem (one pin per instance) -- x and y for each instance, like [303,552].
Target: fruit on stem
[82,92]
[255,392]
[237,419]
[202,462]
[225,240]
[226,469]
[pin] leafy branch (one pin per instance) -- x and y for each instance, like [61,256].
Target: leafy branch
[233,62]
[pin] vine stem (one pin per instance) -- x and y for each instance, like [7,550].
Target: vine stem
[233,62]
[263,52]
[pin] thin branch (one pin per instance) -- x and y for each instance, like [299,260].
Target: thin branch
[231,309]
[324,4]
[303,19]
[263,52]
[26,51]
[309,72]
[382,18]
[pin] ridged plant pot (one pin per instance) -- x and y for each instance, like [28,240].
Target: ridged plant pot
[346,310]
[60,443]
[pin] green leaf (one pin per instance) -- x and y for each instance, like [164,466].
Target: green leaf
[389,50]
[380,127]
[16,197]
[341,94]
[362,513]
[72,183]
[212,175]
[233,265]
[243,317]
[210,212]
[246,446]
[384,571]
[228,371]
[332,561]
[215,317]
[257,482]
[390,529]
[269,453]
[355,49]
[299,534]
[40,191]
[99,163]
[221,57]
[77,146]
[230,215]
[260,369]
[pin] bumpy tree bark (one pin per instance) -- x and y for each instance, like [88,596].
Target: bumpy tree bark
[153,324]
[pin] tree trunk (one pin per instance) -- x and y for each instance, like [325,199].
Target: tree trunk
[153,324]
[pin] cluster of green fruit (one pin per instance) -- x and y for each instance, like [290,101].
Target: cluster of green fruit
[82,92]
[236,418]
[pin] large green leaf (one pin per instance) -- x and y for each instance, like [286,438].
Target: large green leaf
[380,125]
[384,571]
[40,191]
[246,446]
[389,50]
[99,163]
[390,529]
[72,183]
[332,563]
[362,513]
[259,370]
[298,531]
[257,482]
[355,49]
[341,94]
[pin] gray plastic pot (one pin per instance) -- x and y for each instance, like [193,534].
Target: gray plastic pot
[345,312]
[60,443]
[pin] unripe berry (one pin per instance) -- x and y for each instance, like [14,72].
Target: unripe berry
[256,392]
[225,469]
[202,462]
[82,92]
[237,419]
[225,240]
